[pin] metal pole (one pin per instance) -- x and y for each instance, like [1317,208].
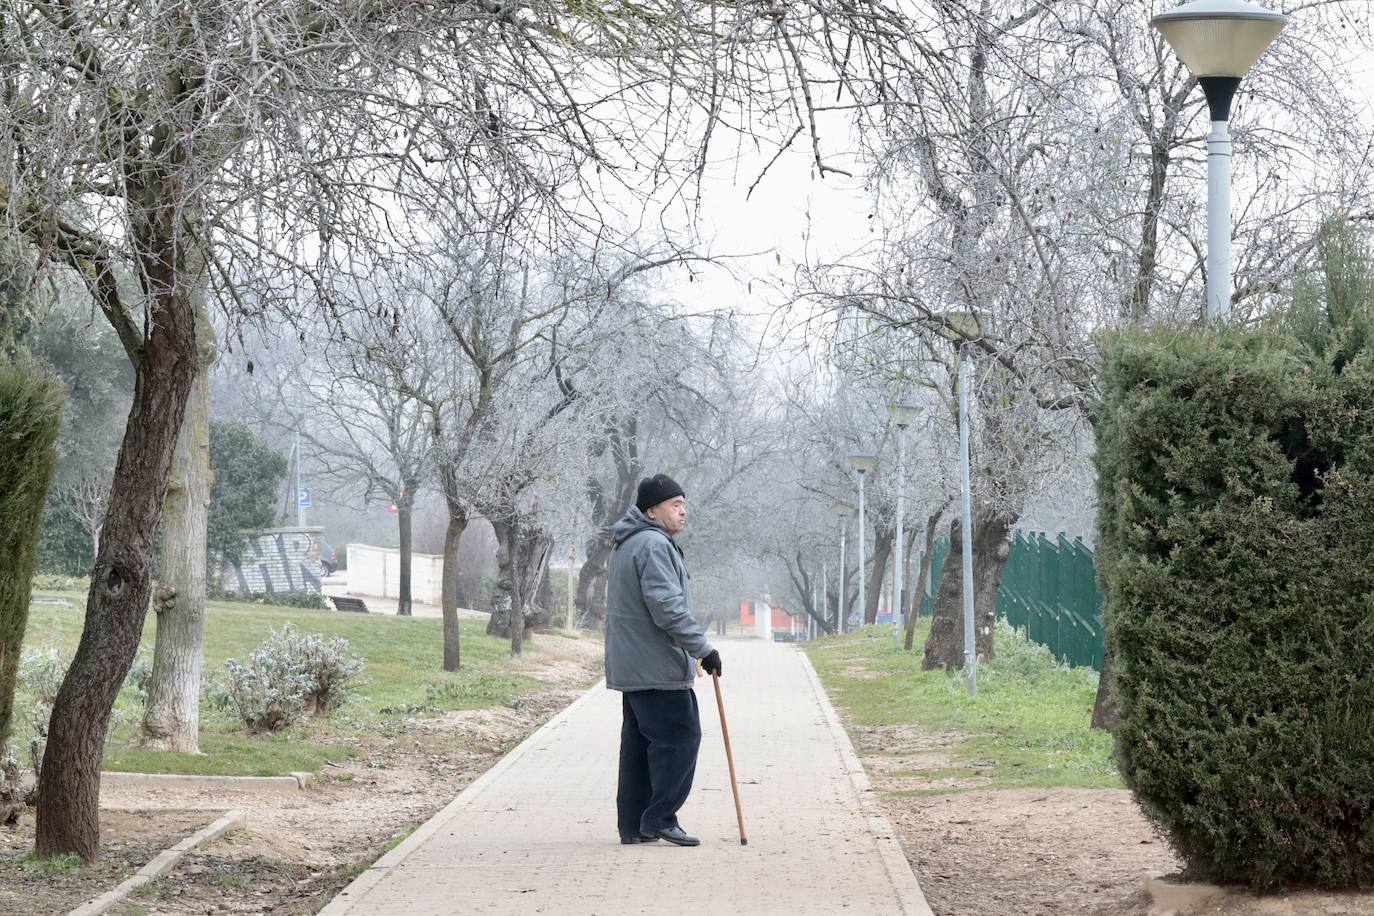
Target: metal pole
[863,586]
[825,591]
[572,562]
[970,644]
[840,589]
[300,512]
[1219,220]
[898,571]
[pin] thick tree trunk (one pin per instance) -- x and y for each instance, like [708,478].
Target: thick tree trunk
[515,622]
[945,645]
[404,513]
[1105,711]
[882,551]
[591,583]
[522,562]
[165,367]
[171,720]
[453,537]
[927,556]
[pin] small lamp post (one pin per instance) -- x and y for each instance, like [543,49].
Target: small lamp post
[903,414]
[843,512]
[863,463]
[1219,41]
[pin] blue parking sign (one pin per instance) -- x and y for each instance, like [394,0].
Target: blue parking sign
[303,497]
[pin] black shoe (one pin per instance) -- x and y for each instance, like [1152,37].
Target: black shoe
[676,836]
[642,838]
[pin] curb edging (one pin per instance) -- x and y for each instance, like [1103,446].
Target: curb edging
[291,782]
[161,864]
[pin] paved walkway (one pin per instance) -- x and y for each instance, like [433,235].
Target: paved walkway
[536,833]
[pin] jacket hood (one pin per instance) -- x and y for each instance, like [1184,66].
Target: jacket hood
[631,524]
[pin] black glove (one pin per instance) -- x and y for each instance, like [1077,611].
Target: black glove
[710,663]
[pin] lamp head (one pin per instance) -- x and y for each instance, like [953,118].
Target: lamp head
[1219,37]
[842,511]
[862,461]
[903,413]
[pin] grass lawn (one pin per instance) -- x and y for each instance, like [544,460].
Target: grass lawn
[1027,726]
[403,679]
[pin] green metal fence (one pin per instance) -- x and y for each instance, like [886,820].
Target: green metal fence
[1049,590]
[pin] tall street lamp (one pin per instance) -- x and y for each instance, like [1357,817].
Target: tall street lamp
[967,326]
[903,414]
[863,463]
[1219,41]
[843,512]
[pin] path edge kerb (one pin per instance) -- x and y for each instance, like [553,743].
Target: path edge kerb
[378,869]
[899,872]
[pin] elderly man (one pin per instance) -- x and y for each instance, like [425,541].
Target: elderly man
[652,643]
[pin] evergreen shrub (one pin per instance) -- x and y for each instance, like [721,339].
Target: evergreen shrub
[30,412]
[1236,517]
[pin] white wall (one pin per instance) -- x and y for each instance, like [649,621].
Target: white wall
[377,571]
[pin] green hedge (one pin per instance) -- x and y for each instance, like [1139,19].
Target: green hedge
[1236,492]
[30,410]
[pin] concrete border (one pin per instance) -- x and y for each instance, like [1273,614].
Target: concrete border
[904,881]
[378,869]
[292,782]
[162,863]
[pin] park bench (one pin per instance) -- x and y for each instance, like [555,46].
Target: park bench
[354,605]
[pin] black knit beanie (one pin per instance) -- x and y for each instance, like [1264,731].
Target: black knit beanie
[656,489]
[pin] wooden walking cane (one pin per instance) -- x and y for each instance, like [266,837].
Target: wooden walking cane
[729,757]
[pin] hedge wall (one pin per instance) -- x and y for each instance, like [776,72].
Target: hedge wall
[30,409]
[1236,489]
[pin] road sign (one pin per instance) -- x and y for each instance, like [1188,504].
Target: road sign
[303,497]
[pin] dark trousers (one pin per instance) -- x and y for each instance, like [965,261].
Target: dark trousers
[658,758]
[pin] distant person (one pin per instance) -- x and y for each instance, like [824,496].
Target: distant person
[652,644]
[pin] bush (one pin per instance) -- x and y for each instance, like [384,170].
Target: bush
[289,674]
[30,411]
[1236,490]
[313,601]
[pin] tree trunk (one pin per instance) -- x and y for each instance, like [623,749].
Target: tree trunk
[165,367]
[591,583]
[453,537]
[515,622]
[1105,711]
[404,512]
[522,564]
[945,645]
[882,550]
[171,720]
[927,556]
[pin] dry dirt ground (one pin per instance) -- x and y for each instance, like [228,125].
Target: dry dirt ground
[301,848]
[1039,852]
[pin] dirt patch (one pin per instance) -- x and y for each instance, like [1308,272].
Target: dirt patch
[1026,852]
[128,841]
[300,849]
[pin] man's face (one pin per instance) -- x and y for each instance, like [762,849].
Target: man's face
[671,514]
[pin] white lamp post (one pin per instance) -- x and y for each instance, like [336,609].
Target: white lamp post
[1219,41]
[903,414]
[967,325]
[843,512]
[863,463]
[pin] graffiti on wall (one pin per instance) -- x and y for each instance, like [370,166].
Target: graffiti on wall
[279,561]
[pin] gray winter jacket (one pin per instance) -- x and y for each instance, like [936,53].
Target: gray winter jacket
[652,639]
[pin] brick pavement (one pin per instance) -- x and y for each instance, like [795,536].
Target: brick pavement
[536,833]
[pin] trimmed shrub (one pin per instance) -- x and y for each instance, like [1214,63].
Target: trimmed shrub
[1236,492]
[30,412]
